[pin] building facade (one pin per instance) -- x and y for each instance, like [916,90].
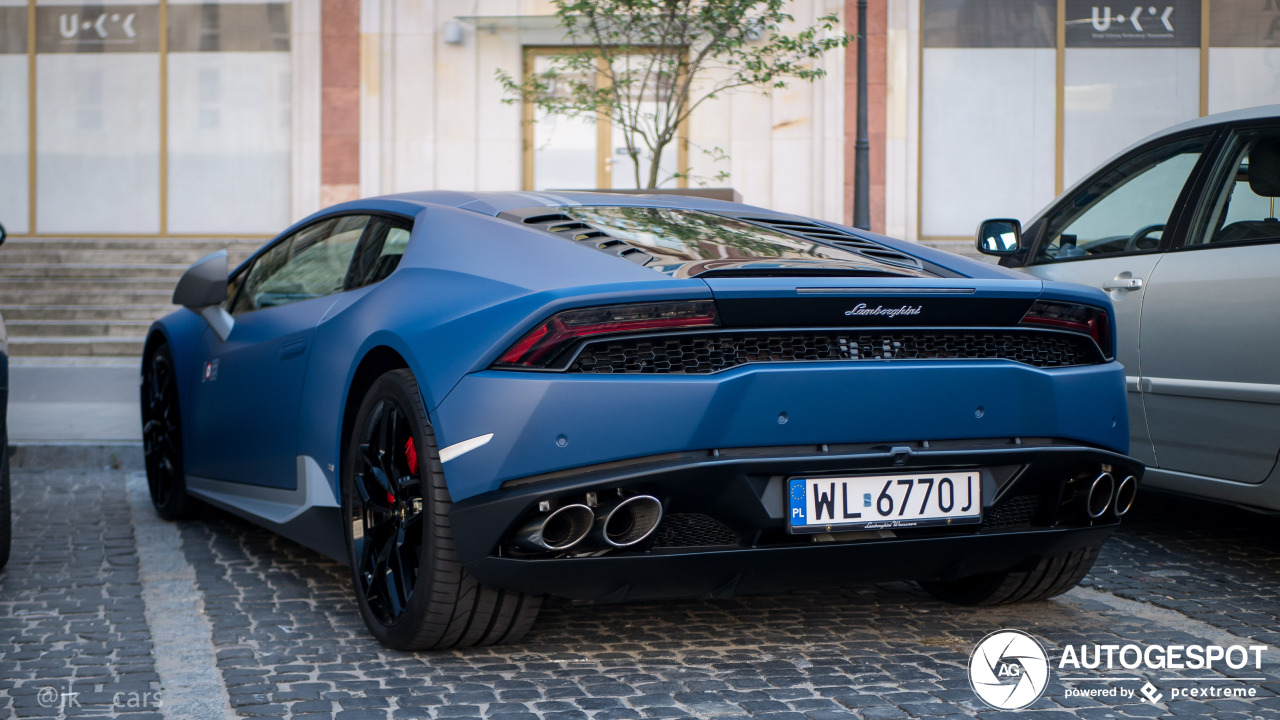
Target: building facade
[199,118]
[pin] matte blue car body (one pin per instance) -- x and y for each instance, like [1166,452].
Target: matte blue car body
[471,284]
[827,404]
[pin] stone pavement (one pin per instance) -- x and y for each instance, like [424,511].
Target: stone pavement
[284,638]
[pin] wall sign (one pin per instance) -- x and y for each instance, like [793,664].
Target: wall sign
[98,29]
[1163,23]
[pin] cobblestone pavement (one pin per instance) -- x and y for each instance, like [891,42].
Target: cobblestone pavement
[289,642]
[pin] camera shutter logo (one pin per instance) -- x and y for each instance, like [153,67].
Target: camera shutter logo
[1008,670]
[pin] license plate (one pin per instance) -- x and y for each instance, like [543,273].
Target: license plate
[885,502]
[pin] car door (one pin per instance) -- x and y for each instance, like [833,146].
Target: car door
[1111,233]
[1210,324]
[247,403]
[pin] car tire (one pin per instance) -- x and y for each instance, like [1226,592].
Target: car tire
[162,437]
[412,590]
[6,520]
[1050,577]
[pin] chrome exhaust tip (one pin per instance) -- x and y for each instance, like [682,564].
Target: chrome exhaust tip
[629,522]
[559,529]
[1126,493]
[1099,498]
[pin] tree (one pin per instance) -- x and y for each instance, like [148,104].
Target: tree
[659,60]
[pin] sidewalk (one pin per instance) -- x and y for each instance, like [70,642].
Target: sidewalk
[84,407]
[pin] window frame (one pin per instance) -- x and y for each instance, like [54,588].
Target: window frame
[1225,149]
[236,277]
[1183,208]
[393,221]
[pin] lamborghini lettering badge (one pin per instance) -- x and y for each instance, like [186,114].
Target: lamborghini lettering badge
[882,311]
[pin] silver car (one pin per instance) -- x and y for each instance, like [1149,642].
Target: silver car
[1181,230]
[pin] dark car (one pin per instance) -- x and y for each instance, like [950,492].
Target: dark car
[5,520]
[1182,231]
[478,399]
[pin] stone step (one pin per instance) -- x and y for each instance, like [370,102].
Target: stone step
[76,347]
[75,328]
[76,297]
[203,246]
[184,258]
[10,295]
[24,284]
[85,313]
[91,271]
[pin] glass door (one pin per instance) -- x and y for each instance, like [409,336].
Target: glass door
[588,153]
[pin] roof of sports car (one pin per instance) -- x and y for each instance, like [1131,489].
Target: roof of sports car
[566,218]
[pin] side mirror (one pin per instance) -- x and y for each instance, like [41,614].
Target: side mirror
[999,237]
[3,235]
[203,288]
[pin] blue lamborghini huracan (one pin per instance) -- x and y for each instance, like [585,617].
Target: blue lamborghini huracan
[479,399]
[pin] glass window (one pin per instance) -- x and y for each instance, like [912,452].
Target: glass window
[987,145]
[1127,74]
[384,245]
[14,198]
[312,262]
[678,236]
[1243,204]
[98,117]
[1244,60]
[564,148]
[1126,208]
[230,133]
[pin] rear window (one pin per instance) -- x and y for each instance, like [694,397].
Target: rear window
[680,236]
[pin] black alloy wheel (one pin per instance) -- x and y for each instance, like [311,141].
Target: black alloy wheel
[386,521]
[412,590]
[162,437]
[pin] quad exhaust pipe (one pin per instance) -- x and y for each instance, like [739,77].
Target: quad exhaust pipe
[1101,491]
[559,529]
[623,523]
[1126,493]
[628,522]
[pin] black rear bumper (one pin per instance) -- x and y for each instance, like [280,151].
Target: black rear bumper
[655,576]
[1032,508]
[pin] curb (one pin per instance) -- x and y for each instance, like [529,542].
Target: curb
[111,456]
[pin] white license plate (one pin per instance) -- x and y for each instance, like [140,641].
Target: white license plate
[885,502]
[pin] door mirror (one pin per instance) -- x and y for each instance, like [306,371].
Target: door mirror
[3,235]
[999,237]
[203,288]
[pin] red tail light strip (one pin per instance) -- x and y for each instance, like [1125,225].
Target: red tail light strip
[1080,319]
[543,344]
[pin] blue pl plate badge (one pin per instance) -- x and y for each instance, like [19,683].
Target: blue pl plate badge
[797,501]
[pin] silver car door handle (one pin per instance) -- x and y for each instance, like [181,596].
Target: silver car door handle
[1123,284]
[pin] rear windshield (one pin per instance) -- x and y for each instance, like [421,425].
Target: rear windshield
[681,236]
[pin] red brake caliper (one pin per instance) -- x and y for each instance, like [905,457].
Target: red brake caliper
[411,454]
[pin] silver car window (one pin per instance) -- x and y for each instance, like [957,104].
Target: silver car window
[1242,195]
[1126,208]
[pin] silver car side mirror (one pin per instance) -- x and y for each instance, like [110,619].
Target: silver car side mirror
[1001,236]
[203,288]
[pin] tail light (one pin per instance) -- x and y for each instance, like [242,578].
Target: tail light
[1082,319]
[542,345]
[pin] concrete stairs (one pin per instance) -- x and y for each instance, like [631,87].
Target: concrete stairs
[94,298]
